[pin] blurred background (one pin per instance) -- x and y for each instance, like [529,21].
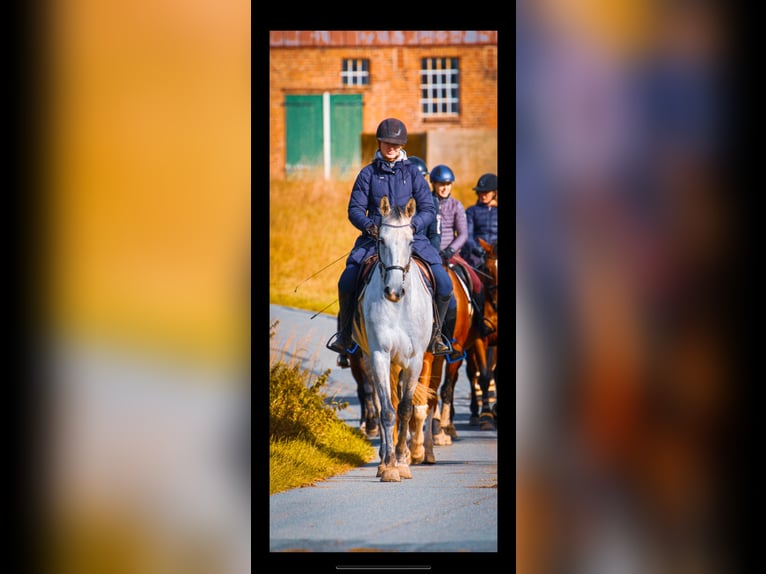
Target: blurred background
[143,410]
[626,236]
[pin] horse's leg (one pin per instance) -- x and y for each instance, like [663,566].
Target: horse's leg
[380,372]
[447,393]
[370,409]
[492,392]
[408,381]
[361,395]
[472,374]
[432,418]
[486,419]
[420,400]
[365,391]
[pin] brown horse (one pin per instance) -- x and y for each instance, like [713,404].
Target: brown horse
[465,334]
[480,364]
[481,359]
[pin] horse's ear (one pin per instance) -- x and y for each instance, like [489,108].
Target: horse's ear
[487,247]
[410,210]
[385,206]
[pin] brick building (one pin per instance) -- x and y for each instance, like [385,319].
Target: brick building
[330,89]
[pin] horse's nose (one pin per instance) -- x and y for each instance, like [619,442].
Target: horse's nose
[393,294]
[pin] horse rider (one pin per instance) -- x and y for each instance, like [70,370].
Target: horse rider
[433,232]
[390,174]
[454,234]
[482,223]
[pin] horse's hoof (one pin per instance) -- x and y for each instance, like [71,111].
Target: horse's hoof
[474,421]
[450,430]
[487,422]
[381,468]
[430,459]
[390,475]
[404,471]
[442,439]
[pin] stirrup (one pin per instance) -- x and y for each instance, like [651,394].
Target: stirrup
[336,344]
[455,356]
[440,346]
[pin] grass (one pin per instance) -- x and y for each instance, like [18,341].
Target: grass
[310,237]
[307,440]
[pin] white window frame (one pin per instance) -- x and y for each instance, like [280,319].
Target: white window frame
[353,72]
[439,87]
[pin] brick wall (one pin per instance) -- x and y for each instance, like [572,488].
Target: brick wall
[394,79]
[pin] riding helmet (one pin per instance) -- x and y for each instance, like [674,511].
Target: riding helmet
[420,164]
[442,174]
[487,182]
[392,131]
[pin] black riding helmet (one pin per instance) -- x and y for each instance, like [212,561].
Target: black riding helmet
[420,164]
[392,131]
[442,174]
[487,182]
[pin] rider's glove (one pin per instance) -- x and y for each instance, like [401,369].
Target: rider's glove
[372,231]
[447,254]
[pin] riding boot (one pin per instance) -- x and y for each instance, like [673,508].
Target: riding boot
[449,333]
[439,344]
[341,341]
[486,327]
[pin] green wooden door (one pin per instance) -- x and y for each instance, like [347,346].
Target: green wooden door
[303,128]
[346,132]
[306,138]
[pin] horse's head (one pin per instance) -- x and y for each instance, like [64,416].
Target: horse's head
[490,262]
[489,275]
[395,238]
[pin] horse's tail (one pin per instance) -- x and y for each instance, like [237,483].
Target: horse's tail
[423,393]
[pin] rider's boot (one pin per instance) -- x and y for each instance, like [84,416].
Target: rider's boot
[448,330]
[439,344]
[341,341]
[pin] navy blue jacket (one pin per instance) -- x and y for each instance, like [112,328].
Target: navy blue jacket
[482,222]
[399,183]
[434,232]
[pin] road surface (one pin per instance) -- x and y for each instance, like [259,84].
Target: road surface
[451,506]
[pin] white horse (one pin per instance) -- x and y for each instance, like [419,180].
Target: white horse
[393,330]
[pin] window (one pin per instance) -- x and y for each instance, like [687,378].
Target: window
[439,82]
[355,72]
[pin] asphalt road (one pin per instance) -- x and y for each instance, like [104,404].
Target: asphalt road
[451,506]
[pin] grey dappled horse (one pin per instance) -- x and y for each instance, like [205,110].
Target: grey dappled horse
[393,330]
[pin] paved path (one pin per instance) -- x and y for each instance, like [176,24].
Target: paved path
[447,507]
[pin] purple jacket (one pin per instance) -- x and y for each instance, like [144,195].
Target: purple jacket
[454,228]
[399,183]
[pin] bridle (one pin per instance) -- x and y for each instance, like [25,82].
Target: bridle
[383,269]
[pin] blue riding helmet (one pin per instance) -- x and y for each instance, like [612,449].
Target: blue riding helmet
[442,174]
[420,164]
